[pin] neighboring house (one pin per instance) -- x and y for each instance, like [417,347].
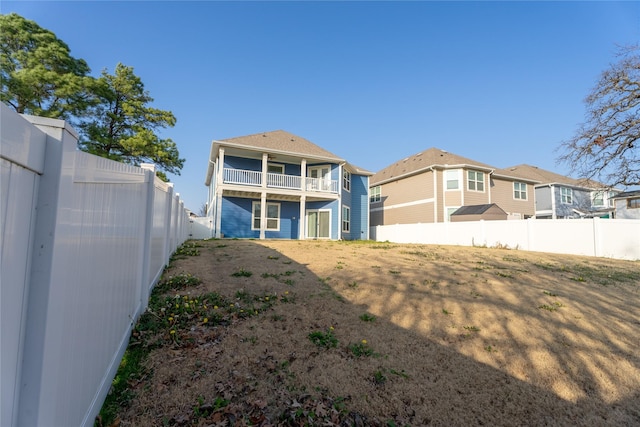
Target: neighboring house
[627,204]
[279,185]
[433,184]
[558,196]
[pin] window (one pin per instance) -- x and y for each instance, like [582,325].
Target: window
[274,168]
[346,180]
[449,212]
[597,199]
[520,190]
[475,181]
[566,195]
[273,216]
[346,219]
[633,203]
[376,194]
[451,178]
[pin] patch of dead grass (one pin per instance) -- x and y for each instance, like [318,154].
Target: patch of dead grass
[458,335]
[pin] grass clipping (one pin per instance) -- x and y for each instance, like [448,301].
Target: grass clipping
[266,333]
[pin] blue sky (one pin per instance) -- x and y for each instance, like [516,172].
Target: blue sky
[502,83]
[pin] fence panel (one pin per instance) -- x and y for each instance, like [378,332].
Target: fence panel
[616,238]
[21,163]
[77,236]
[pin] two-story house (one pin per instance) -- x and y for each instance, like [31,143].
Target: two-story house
[431,185]
[279,185]
[558,196]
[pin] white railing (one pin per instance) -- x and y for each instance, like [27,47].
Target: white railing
[610,238]
[83,241]
[322,185]
[278,180]
[242,177]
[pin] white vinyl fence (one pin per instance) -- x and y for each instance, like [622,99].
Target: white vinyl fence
[83,241]
[609,238]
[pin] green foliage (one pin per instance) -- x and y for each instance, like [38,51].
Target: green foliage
[242,273]
[366,317]
[361,349]
[123,125]
[38,74]
[324,339]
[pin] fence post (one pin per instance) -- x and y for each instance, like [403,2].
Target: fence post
[33,407]
[597,241]
[167,224]
[145,267]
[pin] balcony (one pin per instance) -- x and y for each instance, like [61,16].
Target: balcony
[278,180]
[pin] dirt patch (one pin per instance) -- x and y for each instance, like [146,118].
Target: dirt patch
[356,333]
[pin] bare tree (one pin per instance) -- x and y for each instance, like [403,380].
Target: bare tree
[605,147]
[203,210]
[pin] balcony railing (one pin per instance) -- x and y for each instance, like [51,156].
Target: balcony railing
[279,180]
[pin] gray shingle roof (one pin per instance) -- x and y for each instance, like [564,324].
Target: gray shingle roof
[423,160]
[281,141]
[475,209]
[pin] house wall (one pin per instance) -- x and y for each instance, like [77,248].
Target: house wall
[236,214]
[234,162]
[359,204]
[405,201]
[581,200]
[544,196]
[623,212]
[502,195]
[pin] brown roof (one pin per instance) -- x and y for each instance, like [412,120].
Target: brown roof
[281,141]
[544,176]
[433,157]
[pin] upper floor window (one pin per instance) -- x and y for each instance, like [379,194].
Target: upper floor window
[633,203]
[451,178]
[376,194]
[566,195]
[346,219]
[597,199]
[275,168]
[520,190]
[346,180]
[475,181]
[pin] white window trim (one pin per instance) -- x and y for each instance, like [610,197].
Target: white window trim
[346,180]
[275,165]
[448,214]
[520,191]
[563,197]
[458,172]
[347,221]
[378,196]
[476,172]
[266,205]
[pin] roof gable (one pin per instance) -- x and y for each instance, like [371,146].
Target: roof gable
[544,176]
[432,157]
[280,141]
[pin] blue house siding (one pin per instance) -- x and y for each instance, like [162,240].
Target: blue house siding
[242,163]
[236,212]
[346,201]
[359,207]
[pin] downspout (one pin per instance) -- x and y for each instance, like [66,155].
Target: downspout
[489,184]
[435,194]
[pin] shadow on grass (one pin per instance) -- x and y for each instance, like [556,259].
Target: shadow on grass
[485,370]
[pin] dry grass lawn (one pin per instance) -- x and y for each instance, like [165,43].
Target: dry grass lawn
[423,335]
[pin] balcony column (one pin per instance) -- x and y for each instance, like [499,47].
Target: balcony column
[220,177]
[265,167]
[263,214]
[303,174]
[302,222]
